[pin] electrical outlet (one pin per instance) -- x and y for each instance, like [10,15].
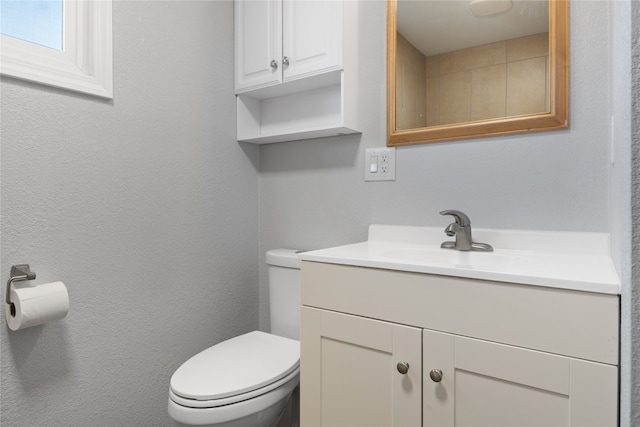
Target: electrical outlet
[380,164]
[384,163]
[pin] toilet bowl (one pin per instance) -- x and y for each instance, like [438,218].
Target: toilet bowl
[235,382]
[246,381]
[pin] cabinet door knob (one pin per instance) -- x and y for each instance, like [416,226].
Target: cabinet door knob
[274,64]
[435,375]
[403,367]
[285,61]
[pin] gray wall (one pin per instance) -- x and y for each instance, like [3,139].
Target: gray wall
[620,197]
[631,321]
[313,194]
[146,207]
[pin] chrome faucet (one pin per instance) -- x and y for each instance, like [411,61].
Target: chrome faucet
[461,228]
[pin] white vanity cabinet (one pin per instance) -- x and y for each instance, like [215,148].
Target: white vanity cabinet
[295,69]
[478,352]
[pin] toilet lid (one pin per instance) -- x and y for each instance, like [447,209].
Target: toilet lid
[239,365]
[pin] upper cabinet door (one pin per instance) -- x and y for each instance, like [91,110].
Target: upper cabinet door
[258,43]
[312,37]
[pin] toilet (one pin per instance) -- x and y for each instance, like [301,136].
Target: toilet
[249,380]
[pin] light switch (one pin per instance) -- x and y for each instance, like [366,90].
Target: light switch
[373,166]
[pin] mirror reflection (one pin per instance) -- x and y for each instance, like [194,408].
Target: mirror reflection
[463,61]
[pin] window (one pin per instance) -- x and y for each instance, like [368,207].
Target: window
[34,21]
[63,43]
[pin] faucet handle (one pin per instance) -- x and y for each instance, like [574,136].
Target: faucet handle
[461,218]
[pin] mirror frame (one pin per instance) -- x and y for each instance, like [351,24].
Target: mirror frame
[556,118]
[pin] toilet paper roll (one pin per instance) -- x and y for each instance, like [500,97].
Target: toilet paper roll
[35,305]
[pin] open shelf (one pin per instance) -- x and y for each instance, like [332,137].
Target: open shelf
[292,112]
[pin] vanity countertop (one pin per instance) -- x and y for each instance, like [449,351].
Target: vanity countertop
[564,260]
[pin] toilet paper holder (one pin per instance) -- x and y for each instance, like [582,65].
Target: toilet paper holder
[19,273]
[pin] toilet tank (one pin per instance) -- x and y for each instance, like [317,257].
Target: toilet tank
[283,266]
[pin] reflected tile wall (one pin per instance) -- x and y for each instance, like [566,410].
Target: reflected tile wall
[505,79]
[495,80]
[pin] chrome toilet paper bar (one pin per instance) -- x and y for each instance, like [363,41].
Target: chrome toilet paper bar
[19,273]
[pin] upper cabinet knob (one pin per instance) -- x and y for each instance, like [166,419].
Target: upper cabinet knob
[403,367]
[435,375]
[285,61]
[274,64]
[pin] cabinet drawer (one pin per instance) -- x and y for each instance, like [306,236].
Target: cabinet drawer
[572,323]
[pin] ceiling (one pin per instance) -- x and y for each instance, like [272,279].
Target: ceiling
[439,26]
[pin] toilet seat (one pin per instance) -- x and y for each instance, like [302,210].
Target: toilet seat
[235,370]
[192,403]
[250,412]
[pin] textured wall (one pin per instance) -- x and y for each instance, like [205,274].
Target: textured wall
[621,190]
[634,292]
[146,207]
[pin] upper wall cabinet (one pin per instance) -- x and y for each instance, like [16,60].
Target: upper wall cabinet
[258,44]
[283,41]
[295,69]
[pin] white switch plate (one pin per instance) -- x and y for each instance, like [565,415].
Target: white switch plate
[384,161]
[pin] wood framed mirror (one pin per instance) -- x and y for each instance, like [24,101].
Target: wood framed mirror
[442,91]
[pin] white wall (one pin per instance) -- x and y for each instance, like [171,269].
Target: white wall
[146,207]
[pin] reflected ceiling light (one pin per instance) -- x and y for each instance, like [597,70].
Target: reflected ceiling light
[489,7]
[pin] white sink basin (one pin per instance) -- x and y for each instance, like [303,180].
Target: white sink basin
[457,259]
[568,260]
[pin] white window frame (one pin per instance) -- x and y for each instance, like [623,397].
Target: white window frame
[84,64]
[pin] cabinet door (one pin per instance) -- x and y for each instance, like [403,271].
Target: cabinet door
[349,375]
[258,42]
[489,384]
[312,37]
